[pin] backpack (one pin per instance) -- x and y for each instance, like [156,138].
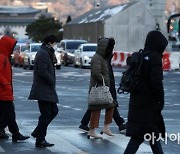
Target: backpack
[130,80]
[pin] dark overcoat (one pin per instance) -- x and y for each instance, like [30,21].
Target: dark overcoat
[44,81]
[145,105]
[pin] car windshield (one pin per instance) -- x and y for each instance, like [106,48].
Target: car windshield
[35,48]
[25,47]
[89,48]
[74,45]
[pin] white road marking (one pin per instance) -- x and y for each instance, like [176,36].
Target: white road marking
[1,149]
[61,145]
[122,142]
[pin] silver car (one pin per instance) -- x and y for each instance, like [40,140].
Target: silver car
[29,55]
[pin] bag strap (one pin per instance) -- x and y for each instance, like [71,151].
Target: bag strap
[103,81]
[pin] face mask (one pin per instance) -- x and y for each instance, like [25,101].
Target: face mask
[54,47]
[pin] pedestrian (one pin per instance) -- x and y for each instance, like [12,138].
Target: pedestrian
[99,69]
[3,124]
[120,122]
[7,109]
[44,89]
[146,104]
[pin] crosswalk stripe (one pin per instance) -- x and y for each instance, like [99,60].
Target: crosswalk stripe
[1,149]
[122,142]
[62,145]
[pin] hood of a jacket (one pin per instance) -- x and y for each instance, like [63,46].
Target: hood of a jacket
[156,41]
[110,48]
[102,46]
[7,45]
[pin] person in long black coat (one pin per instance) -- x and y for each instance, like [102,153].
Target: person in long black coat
[44,89]
[145,106]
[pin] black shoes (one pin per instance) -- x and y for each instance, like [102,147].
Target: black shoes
[43,144]
[84,128]
[3,135]
[122,127]
[34,134]
[19,137]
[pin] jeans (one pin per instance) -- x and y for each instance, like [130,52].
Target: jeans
[48,112]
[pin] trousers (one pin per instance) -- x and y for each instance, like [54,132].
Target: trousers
[95,116]
[48,112]
[116,116]
[8,117]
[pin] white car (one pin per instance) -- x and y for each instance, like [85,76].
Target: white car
[83,55]
[29,55]
[58,57]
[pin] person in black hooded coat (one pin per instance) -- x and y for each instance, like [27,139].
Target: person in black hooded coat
[145,106]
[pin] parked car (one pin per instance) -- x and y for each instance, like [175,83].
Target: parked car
[17,56]
[58,57]
[67,48]
[29,55]
[83,55]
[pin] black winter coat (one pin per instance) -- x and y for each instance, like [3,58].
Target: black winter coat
[145,105]
[112,87]
[43,87]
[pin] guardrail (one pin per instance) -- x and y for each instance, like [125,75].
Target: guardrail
[171,60]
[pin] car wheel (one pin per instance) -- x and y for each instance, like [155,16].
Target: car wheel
[75,64]
[14,63]
[81,63]
[30,67]
[24,66]
[58,67]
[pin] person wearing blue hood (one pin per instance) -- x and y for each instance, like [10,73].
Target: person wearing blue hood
[146,104]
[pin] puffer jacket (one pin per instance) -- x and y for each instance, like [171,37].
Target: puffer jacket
[99,68]
[145,105]
[7,45]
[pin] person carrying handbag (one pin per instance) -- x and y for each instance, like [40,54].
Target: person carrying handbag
[99,68]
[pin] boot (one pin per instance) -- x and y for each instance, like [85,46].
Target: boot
[106,131]
[92,133]
[3,135]
[19,137]
[43,144]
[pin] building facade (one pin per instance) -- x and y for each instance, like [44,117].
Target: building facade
[128,23]
[14,20]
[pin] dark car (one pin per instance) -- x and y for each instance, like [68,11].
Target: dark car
[67,48]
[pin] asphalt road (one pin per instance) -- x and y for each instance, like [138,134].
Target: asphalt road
[72,89]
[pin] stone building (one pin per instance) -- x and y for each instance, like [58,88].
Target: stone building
[14,20]
[128,23]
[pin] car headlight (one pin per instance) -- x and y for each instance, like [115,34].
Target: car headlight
[86,57]
[33,56]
